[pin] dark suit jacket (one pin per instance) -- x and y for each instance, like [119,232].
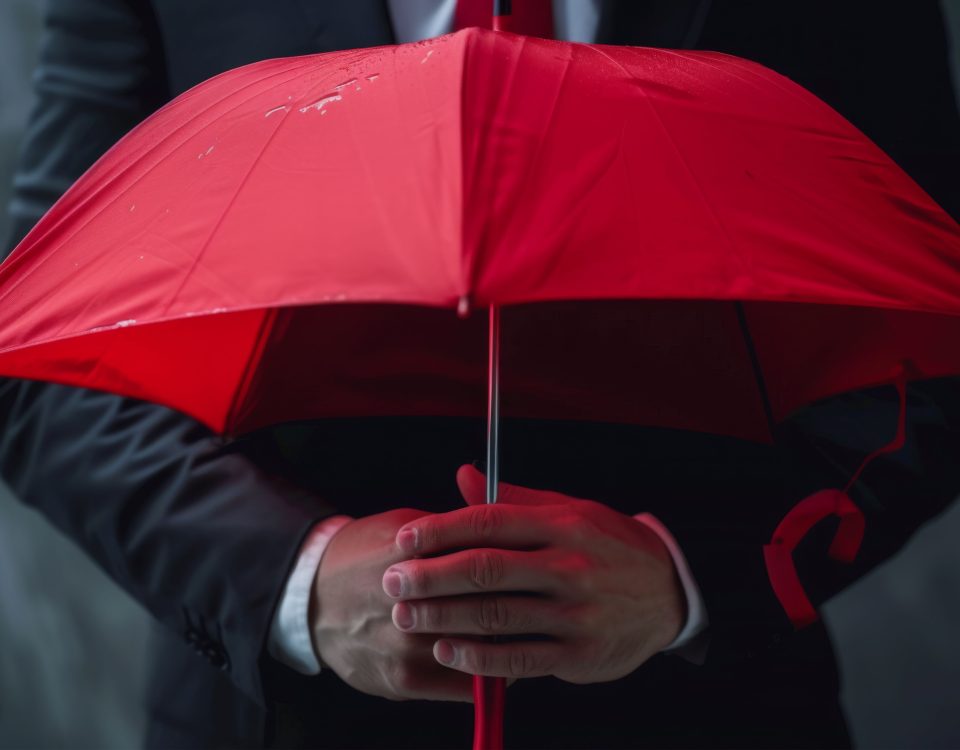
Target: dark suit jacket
[203,531]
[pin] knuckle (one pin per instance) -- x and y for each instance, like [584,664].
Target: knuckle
[431,535]
[432,617]
[420,579]
[576,572]
[521,662]
[493,615]
[565,525]
[572,523]
[478,660]
[561,571]
[486,569]
[486,520]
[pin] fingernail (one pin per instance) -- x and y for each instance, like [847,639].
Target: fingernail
[393,583]
[445,653]
[404,616]
[408,540]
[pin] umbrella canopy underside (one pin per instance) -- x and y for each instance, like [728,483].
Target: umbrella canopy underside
[682,239]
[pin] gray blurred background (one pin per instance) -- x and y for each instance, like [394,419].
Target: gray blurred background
[73,646]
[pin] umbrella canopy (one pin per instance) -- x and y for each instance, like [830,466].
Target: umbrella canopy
[214,259]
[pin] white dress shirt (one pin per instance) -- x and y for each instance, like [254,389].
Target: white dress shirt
[289,639]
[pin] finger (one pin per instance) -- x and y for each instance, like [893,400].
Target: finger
[523,659]
[472,484]
[481,615]
[507,526]
[473,487]
[473,571]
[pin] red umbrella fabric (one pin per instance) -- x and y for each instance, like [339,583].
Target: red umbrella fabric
[214,259]
[289,239]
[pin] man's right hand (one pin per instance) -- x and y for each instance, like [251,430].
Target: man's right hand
[350,618]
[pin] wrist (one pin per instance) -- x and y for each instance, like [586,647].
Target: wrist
[291,641]
[693,618]
[673,610]
[317,611]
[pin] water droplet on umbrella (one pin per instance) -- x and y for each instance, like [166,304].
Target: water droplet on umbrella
[124,323]
[373,76]
[132,207]
[426,57]
[463,306]
[321,103]
[283,107]
[342,86]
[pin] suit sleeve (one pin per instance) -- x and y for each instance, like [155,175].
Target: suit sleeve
[191,527]
[906,103]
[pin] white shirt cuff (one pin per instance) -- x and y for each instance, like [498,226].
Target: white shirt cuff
[696,611]
[289,641]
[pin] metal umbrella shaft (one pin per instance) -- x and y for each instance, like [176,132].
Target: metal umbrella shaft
[493,405]
[488,692]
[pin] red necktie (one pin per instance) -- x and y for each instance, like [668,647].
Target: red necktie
[530,17]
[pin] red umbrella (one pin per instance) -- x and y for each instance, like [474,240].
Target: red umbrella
[289,239]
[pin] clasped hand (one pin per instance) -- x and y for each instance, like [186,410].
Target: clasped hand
[576,589]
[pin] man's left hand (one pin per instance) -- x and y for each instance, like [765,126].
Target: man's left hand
[577,590]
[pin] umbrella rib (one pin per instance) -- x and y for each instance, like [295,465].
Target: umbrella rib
[223,215]
[755,362]
[246,378]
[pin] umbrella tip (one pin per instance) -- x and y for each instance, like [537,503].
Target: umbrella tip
[463,306]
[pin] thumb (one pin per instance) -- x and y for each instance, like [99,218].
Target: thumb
[473,486]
